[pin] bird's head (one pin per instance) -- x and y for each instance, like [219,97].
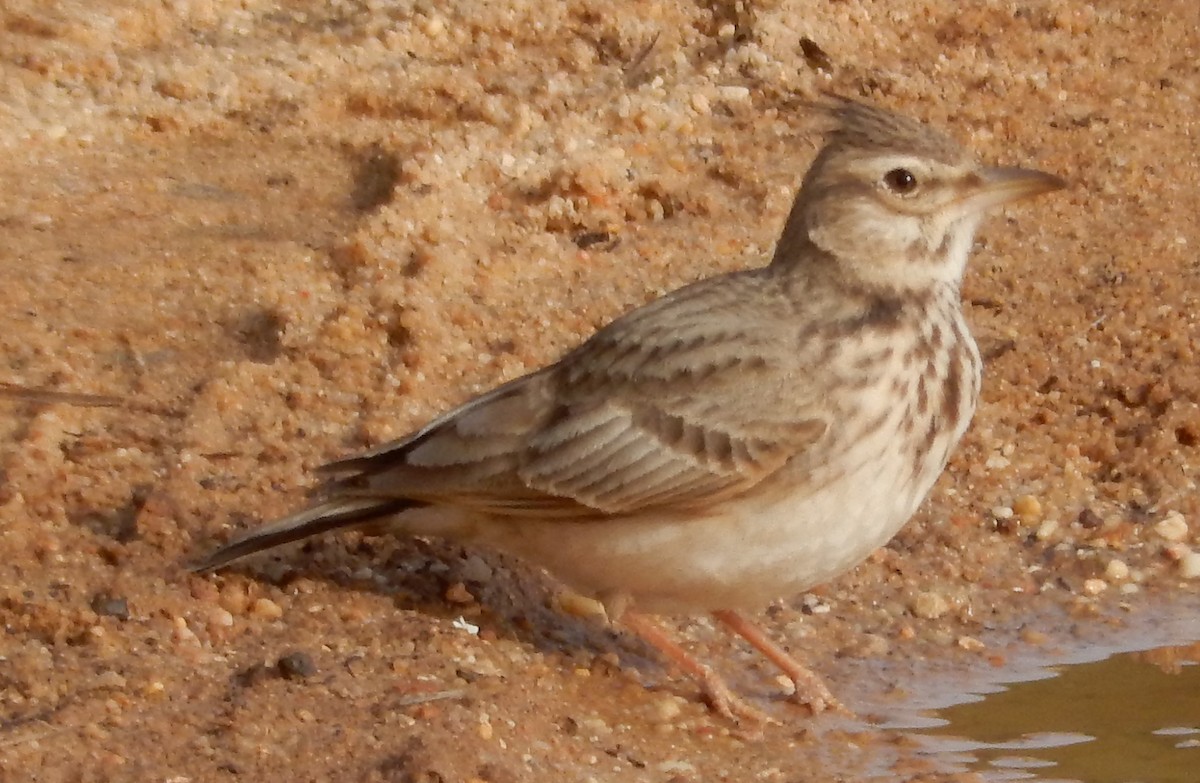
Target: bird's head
[894,202]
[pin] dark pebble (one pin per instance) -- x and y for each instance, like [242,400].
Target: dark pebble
[296,666]
[107,605]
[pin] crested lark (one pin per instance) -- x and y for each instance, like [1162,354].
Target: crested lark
[740,439]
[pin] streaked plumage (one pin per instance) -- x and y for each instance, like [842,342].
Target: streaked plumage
[740,439]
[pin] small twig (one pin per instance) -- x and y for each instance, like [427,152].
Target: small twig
[69,398]
[51,397]
[425,698]
[634,71]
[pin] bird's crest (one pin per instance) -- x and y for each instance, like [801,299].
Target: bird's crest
[864,127]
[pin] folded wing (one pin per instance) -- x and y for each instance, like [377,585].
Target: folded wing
[682,403]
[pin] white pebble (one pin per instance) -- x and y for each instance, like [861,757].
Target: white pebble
[180,631]
[220,618]
[435,27]
[1189,565]
[1116,570]
[1172,527]
[971,644]
[734,92]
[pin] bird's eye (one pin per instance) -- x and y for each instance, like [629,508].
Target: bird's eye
[901,181]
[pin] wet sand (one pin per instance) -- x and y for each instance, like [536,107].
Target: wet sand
[277,236]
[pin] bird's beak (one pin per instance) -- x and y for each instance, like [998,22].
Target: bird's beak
[1005,184]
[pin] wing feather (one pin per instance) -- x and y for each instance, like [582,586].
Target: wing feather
[689,400]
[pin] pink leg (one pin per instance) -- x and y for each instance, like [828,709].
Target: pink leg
[716,692]
[810,690]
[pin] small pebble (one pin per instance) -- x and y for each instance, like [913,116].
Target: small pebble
[1090,520]
[1094,586]
[971,644]
[296,666]
[734,92]
[577,605]
[873,645]
[1116,570]
[1189,565]
[1047,529]
[929,605]
[1173,527]
[435,26]
[458,593]
[1027,507]
[479,668]
[180,631]
[812,604]
[233,599]
[107,605]
[266,609]
[476,569]
[220,618]
[1176,552]
[594,726]
[110,679]
[667,709]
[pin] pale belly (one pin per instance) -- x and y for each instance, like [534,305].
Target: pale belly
[740,554]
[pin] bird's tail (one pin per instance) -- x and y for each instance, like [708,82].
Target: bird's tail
[331,514]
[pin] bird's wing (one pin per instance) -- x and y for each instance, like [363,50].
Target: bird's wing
[692,399]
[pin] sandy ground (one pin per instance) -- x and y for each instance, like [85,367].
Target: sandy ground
[276,234]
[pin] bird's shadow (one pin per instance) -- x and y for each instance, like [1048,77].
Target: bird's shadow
[448,581]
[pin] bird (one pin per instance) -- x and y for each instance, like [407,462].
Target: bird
[740,439]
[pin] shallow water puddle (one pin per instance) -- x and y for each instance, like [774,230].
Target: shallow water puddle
[1130,717]
[1103,714]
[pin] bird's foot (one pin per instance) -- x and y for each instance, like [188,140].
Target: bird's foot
[808,688]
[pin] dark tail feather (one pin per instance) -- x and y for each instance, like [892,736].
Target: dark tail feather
[321,518]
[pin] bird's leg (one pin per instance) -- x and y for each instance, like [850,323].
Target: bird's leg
[719,696]
[809,689]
